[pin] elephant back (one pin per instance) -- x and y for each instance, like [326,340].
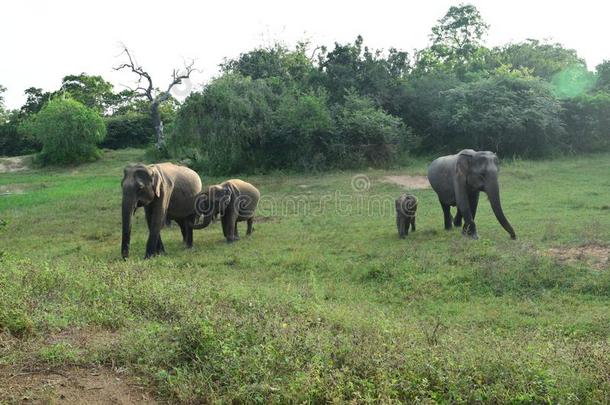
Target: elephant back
[245,194]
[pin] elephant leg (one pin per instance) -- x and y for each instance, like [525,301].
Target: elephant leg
[250,228]
[447,215]
[187,232]
[160,247]
[457,221]
[400,224]
[154,220]
[474,202]
[189,236]
[224,219]
[236,232]
[413,223]
[182,224]
[228,226]
[469,228]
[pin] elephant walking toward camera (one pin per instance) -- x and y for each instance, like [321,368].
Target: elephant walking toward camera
[458,180]
[167,192]
[234,200]
[406,207]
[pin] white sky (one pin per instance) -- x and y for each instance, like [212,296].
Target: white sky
[42,41]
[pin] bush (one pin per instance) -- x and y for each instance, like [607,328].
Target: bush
[366,134]
[128,130]
[221,128]
[13,141]
[508,113]
[587,121]
[301,135]
[69,132]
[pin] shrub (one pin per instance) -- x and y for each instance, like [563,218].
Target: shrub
[301,134]
[128,130]
[13,141]
[509,113]
[587,122]
[366,134]
[221,128]
[69,132]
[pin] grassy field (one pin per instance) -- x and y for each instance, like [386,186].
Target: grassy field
[323,302]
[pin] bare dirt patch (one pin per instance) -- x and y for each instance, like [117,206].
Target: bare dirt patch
[410,182]
[10,189]
[262,219]
[31,381]
[71,385]
[85,338]
[593,255]
[14,164]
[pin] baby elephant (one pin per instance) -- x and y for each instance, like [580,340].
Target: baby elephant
[406,205]
[234,200]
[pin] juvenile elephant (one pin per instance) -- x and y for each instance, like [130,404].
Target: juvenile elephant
[458,180]
[234,200]
[167,192]
[406,206]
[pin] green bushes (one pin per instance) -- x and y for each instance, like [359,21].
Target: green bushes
[128,130]
[367,135]
[13,141]
[69,132]
[587,121]
[238,123]
[510,113]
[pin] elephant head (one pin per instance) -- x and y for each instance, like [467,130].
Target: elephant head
[475,172]
[211,203]
[141,185]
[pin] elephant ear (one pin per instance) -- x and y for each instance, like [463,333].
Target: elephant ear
[463,162]
[225,199]
[157,180]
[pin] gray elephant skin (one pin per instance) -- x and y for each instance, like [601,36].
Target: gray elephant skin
[406,207]
[167,192]
[458,180]
[234,200]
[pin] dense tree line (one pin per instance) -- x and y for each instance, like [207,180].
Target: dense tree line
[312,108]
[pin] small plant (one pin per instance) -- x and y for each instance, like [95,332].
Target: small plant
[58,354]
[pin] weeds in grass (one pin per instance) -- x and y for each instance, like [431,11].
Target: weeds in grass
[329,308]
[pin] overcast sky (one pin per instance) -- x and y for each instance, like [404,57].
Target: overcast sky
[42,41]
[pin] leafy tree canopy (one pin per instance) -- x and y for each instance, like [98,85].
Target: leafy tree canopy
[68,130]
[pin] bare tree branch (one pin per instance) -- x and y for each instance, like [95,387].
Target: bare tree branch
[137,69]
[149,91]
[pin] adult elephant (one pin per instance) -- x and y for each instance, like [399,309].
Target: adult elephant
[458,180]
[167,192]
[234,200]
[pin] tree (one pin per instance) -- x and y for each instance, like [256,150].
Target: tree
[573,81]
[508,113]
[541,59]
[68,130]
[154,96]
[366,134]
[369,72]
[36,98]
[223,127]
[603,76]
[92,91]
[457,40]
[587,122]
[3,112]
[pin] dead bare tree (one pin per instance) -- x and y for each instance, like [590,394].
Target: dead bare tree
[155,96]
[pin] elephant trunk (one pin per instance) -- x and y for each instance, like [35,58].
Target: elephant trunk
[207,219]
[129,206]
[493,193]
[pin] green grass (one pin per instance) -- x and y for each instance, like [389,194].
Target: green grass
[319,307]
